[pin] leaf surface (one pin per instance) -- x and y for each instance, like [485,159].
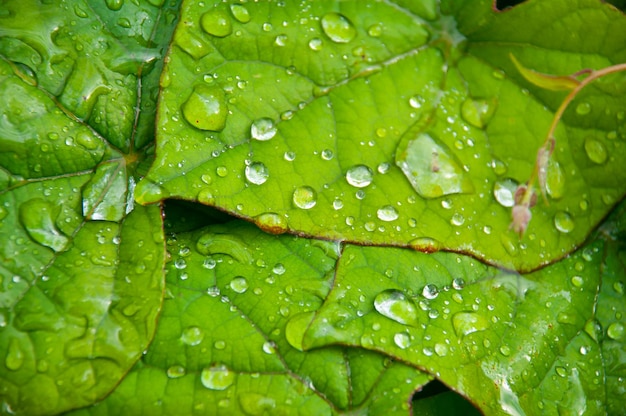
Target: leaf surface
[390,123]
[81,266]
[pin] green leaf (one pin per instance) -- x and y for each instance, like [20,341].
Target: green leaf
[392,124]
[513,344]
[221,346]
[81,267]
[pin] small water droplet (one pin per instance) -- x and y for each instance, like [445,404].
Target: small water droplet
[402,340]
[504,192]
[618,287]
[577,281]
[441,349]
[596,151]
[416,101]
[206,109]
[430,291]
[316,44]
[256,404]
[425,244]
[213,291]
[15,356]
[583,109]
[257,173]
[616,331]
[289,156]
[279,269]
[563,222]
[240,13]
[217,377]
[176,371]
[304,197]
[505,350]
[239,284]
[359,176]
[387,213]
[338,28]
[192,335]
[555,180]
[383,168]
[560,371]
[464,323]
[432,169]
[114,5]
[337,204]
[375,30]
[263,129]
[478,113]
[457,219]
[219,344]
[269,347]
[394,305]
[327,154]
[217,23]
[36,215]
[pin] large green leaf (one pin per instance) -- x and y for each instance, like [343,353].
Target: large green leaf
[546,342]
[221,346]
[81,267]
[392,123]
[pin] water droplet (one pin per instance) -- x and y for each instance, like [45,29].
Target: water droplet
[464,323]
[394,305]
[563,222]
[583,109]
[457,219]
[338,28]
[269,347]
[206,109]
[36,216]
[217,23]
[176,371]
[425,244]
[477,112]
[327,154]
[555,179]
[402,340]
[257,173]
[416,101]
[239,284]
[256,404]
[271,222]
[596,151]
[505,350]
[213,291]
[280,40]
[337,204]
[192,335]
[618,287]
[15,356]
[577,281]
[263,129]
[289,156]
[441,349]
[296,328]
[504,192]
[217,377]
[304,197]
[279,269]
[387,213]
[240,13]
[561,371]
[375,30]
[431,169]
[430,291]
[114,5]
[359,176]
[616,331]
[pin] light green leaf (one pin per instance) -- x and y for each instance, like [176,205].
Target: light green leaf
[392,124]
[221,346]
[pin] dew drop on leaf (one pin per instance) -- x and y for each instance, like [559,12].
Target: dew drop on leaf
[263,129]
[394,305]
[595,150]
[296,328]
[36,215]
[206,109]
[114,5]
[256,404]
[477,112]
[15,356]
[240,13]
[216,23]
[176,371]
[430,291]
[402,340]
[375,30]
[217,377]
[387,213]
[555,179]
[615,331]
[239,284]
[316,44]
[583,109]
[271,222]
[304,197]
[257,173]
[338,28]
[192,335]
[504,192]
[563,222]
[359,176]
[432,169]
[465,323]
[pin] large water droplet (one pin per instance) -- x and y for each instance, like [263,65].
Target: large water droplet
[430,291]
[263,129]
[240,12]
[477,112]
[563,222]
[387,213]
[206,108]
[239,284]
[394,305]
[555,179]
[504,192]
[217,23]
[271,222]
[217,377]
[431,169]
[338,28]
[36,216]
[596,151]
[257,173]
[359,176]
[304,197]
[465,323]
[192,335]
[616,331]
[15,356]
